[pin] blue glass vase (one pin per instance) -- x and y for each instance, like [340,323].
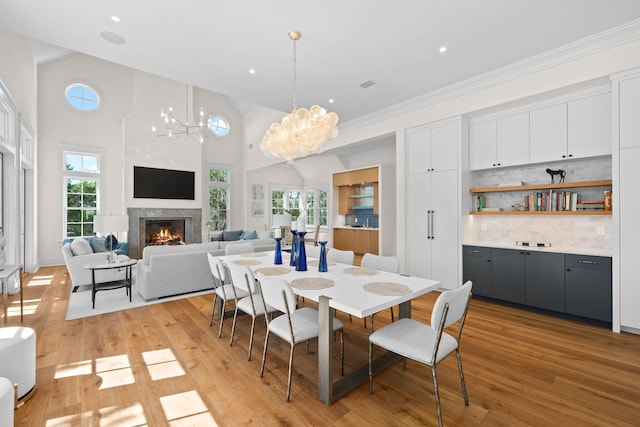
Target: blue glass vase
[294,248]
[278,256]
[301,259]
[322,264]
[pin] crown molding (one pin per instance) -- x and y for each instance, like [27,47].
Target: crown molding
[588,46]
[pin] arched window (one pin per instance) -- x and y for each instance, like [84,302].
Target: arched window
[218,126]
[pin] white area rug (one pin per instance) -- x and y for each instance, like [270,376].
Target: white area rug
[112,300]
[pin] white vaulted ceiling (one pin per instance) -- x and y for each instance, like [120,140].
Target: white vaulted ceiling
[395,45]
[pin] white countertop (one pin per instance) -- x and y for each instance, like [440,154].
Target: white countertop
[558,249]
[348,227]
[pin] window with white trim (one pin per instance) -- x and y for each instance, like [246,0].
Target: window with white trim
[82,97]
[219,185]
[81,185]
[312,203]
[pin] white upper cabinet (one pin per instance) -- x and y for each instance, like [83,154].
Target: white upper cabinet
[483,145]
[432,149]
[548,133]
[513,139]
[589,126]
[500,142]
[629,108]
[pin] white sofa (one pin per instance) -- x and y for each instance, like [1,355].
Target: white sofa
[173,270]
[81,276]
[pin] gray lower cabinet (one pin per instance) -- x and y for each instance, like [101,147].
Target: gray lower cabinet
[544,280]
[588,286]
[476,266]
[508,275]
[565,283]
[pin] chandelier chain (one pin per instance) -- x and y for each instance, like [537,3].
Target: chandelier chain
[295,101]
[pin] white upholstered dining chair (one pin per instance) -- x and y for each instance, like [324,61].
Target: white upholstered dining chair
[223,290]
[427,344]
[252,304]
[295,326]
[382,263]
[343,257]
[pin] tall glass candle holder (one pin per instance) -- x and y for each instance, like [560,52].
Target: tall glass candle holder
[278,256]
[294,248]
[322,264]
[301,259]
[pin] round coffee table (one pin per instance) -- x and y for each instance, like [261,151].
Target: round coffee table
[114,284]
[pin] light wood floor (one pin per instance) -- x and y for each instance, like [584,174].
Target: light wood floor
[162,365]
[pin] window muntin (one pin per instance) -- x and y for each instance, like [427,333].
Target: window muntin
[311,203]
[218,126]
[219,198]
[82,97]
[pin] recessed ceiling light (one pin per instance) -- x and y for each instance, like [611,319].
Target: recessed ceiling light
[331,101]
[442,49]
[252,71]
[115,18]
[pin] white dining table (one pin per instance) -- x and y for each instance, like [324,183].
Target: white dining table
[348,294]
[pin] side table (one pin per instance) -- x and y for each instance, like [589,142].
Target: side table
[6,272]
[115,284]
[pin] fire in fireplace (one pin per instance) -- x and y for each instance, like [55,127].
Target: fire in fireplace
[164,232]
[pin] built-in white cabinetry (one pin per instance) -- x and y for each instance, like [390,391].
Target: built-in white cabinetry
[578,126]
[548,133]
[629,113]
[500,142]
[626,274]
[589,126]
[432,208]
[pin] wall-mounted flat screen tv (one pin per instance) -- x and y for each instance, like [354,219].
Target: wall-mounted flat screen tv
[152,183]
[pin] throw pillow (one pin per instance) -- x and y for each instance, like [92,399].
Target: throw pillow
[110,242]
[80,247]
[265,234]
[217,237]
[250,235]
[229,235]
[97,244]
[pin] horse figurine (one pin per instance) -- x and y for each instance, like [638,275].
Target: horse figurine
[557,172]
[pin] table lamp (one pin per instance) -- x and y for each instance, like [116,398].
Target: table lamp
[108,225]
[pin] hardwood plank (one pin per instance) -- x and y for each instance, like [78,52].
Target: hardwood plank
[162,364]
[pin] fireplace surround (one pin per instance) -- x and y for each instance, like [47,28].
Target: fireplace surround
[138,216]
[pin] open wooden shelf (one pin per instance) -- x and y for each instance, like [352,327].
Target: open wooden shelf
[580,212]
[599,183]
[562,185]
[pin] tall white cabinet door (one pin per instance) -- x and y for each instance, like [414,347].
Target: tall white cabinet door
[418,201]
[418,150]
[444,147]
[629,110]
[589,126]
[629,208]
[444,244]
[482,145]
[548,133]
[512,136]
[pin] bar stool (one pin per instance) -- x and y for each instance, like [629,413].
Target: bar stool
[18,355]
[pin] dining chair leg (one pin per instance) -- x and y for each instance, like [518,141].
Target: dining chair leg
[224,303]
[370,368]
[342,353]
[213,309]
[253,326]
[290,371]
[437,393]
[464,387]
[371,323]
[392,318]
[233,325]
[264,353]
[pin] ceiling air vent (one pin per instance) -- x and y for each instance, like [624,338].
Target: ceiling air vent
[367,84]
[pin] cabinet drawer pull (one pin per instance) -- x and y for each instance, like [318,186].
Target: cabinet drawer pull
[475,251]
[584,261]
